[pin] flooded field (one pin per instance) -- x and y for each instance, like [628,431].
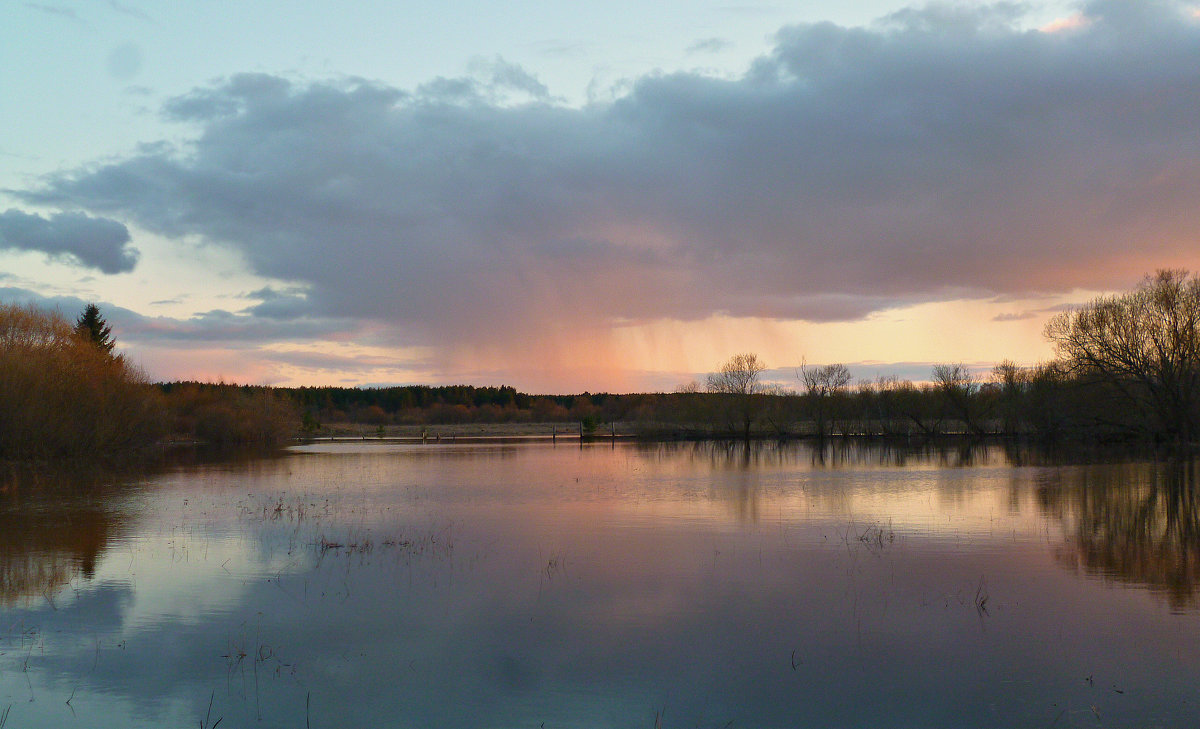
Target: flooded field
[663,585]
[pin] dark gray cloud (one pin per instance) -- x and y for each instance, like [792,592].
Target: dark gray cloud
[944,152]
[280,305]
[228,328]
[95,242]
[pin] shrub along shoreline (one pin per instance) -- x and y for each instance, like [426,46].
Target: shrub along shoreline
[62,396]
[66,397]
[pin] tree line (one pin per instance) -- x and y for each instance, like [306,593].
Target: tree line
[427,404]
[1126,366]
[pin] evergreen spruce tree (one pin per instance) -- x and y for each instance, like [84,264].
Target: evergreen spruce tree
[93,328]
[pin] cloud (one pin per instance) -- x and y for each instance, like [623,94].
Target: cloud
[241,329]
[956,20]
[54,9]
[1065,24]
[1020,316]
[356,364]
[709,45]
[849,170]
[130,10]
[94,242]
[501,75]
[125,61]
[280,305]
[227,328]
[867,372]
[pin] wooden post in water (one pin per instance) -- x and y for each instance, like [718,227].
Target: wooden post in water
[554,434]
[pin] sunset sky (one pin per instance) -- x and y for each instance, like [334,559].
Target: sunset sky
[592,195]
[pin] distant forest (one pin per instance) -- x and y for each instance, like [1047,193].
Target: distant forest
[424,404]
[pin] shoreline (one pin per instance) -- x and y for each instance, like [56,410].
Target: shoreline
[362,431]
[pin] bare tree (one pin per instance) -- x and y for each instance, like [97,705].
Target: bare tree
[738,382]
[1009,381]
[960,391]
[1145,344]
[902,402]
[781,410]
[824,388]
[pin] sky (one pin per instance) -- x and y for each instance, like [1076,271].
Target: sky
[600,196]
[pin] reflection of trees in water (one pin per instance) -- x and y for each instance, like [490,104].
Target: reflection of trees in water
[54,527]
[720,455]
[944,453]
[1136,523]
[743,464]
[833,453]
[742,461]
[1126,519]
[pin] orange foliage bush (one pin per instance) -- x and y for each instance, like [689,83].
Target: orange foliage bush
[62,397]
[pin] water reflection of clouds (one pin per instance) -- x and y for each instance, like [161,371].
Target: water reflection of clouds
[96,609]
[187,589]
[595,587]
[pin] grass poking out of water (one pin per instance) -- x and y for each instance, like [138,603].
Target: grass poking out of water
[981,596]
[204,724]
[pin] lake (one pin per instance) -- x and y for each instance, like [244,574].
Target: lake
[604,585]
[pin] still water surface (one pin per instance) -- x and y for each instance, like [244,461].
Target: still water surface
[672,585]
